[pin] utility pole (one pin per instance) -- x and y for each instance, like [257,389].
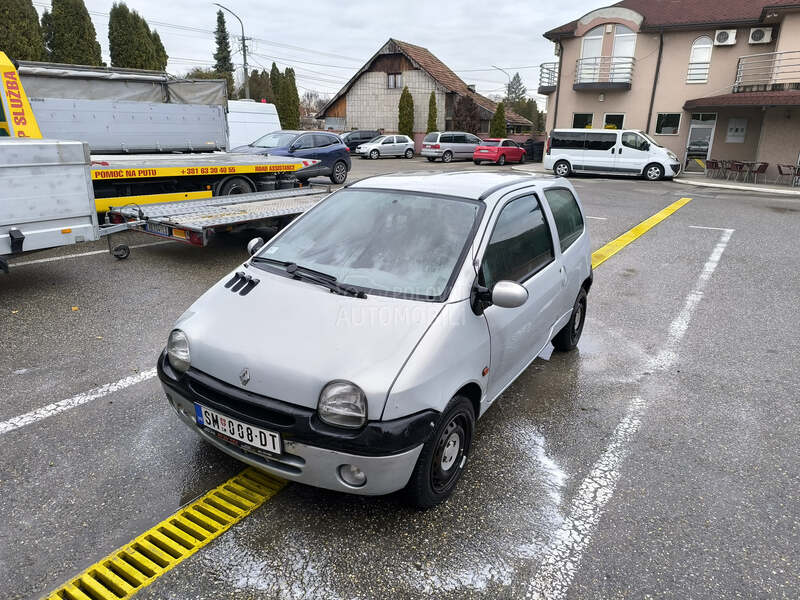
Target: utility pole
[244,52]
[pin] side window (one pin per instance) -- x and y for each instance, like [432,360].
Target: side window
[601,141]
[568,140]
[520,244]
[460,138]
[389,140]
[320,140]
[471,139]
[304,142]
[567,215]
[446,138]
[507,144]
[632,140]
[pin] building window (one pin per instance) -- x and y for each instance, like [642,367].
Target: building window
[668,123]
[395,81]
[737,129]
[614,121]
[699,60]
[582,120]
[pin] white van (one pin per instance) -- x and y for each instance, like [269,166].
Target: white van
[249,120]
[611,152]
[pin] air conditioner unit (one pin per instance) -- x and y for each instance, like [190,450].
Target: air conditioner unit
[725,37]
[760,35]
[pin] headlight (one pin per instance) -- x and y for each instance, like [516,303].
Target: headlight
[343,404]
[178,351]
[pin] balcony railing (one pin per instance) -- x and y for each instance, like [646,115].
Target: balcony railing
[604,73]
[770,71]
[548,77]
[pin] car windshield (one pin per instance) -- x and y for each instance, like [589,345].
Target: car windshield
[276,139]
[377,140]
[490,143]
[649,139]
[385,242]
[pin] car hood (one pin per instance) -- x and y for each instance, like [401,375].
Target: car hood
[293,337]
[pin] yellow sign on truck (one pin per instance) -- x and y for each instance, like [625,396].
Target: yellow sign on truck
[16,116]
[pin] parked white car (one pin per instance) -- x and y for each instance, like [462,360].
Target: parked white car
[355,350]
[609,152]
[387,145]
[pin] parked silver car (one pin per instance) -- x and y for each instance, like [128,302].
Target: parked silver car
[355,350]
[449,145]
[387,145]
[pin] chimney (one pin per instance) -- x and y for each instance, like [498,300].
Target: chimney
[471,87]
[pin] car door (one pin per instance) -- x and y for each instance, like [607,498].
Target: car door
[387,147]
[305,147]
[633,154]
[572,239]
[473,142]
[327,150]
[520,248]
[600,151]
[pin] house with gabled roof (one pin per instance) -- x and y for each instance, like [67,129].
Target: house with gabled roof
[707,79]
[369,100]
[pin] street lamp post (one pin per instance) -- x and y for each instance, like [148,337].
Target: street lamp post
[244,51]
[508,87]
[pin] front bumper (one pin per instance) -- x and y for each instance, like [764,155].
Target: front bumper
[676,169]
[386,451]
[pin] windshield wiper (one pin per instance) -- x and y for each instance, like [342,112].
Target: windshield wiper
[318,277]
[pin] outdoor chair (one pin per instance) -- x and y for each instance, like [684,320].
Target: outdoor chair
[789,171]
[736,168]
[713,167]
[760,169]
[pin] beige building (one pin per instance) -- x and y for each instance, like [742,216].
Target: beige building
[706,79]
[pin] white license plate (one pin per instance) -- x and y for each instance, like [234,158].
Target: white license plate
[239,431]
[484,151]
[159,229]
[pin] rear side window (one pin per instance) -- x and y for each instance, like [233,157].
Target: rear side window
[305,141]
[471,139]
[431,137]
[321,140]
[567,140]
[460,138]
[447,138]
[520,244]
[601,141]
[567,215]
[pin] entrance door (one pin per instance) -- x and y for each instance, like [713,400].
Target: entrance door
[698,145]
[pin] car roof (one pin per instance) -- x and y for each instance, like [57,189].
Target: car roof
[465,184]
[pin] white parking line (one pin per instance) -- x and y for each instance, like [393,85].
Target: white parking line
[78,255]
[598,218]
[712,228]
[62,405]
[563,555]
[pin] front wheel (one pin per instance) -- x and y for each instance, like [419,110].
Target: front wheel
[477,162]
[654,172]
[444,455]
[339,173]
[409,153]
[562,168]
[447,156]
[567,339]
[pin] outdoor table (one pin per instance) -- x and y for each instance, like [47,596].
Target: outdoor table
[749,165]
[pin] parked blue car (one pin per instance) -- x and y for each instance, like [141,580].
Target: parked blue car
[333,154]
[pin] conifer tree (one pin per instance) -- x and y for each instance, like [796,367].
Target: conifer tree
[71,35]
[222,56]
[432,113]
[405,117]
[20,32]
[289,101]
[497,128]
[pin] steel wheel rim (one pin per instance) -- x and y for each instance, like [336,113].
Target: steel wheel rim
[576,326]
[449,454]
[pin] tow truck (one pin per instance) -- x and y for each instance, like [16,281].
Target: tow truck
[53,192]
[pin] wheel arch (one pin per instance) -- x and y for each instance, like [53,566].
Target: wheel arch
[473,392]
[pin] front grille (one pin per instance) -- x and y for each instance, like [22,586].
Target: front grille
[253,411]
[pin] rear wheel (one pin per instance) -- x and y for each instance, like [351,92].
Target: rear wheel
[235,185]
[447,156]
[502,160]
[339,173]
[444,455]
[477,162]
[567,339]
[654,172]
[374,155]
[409,153]
[562,168]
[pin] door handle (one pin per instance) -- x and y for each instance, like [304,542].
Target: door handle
[563,273]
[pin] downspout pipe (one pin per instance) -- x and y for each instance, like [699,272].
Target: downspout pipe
[655,80]
[558,82]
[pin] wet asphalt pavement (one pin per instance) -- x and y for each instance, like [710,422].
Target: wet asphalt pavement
[658,460]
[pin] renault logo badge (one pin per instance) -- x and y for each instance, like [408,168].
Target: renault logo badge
[244,376]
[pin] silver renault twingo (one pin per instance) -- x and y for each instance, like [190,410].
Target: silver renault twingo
[355,350]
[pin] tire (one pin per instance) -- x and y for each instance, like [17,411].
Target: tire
[477,162]
[447,156]
[121,251]
[339,173]
[303,181]
[235,185]
[502,160]
[374,154]
[522,159]
[562,169]
[431,159]
[409,153]
[653,172]
[567,339]
[443,457]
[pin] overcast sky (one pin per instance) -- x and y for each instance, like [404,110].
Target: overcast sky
[326,41]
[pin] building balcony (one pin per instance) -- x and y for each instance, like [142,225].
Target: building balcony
[768,72]
[548,78]
[604,73]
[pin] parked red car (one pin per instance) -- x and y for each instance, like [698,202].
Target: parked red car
[498,150]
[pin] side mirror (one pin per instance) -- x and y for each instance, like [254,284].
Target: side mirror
[292,149]
[646,147]
[254,245]
[509,294]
